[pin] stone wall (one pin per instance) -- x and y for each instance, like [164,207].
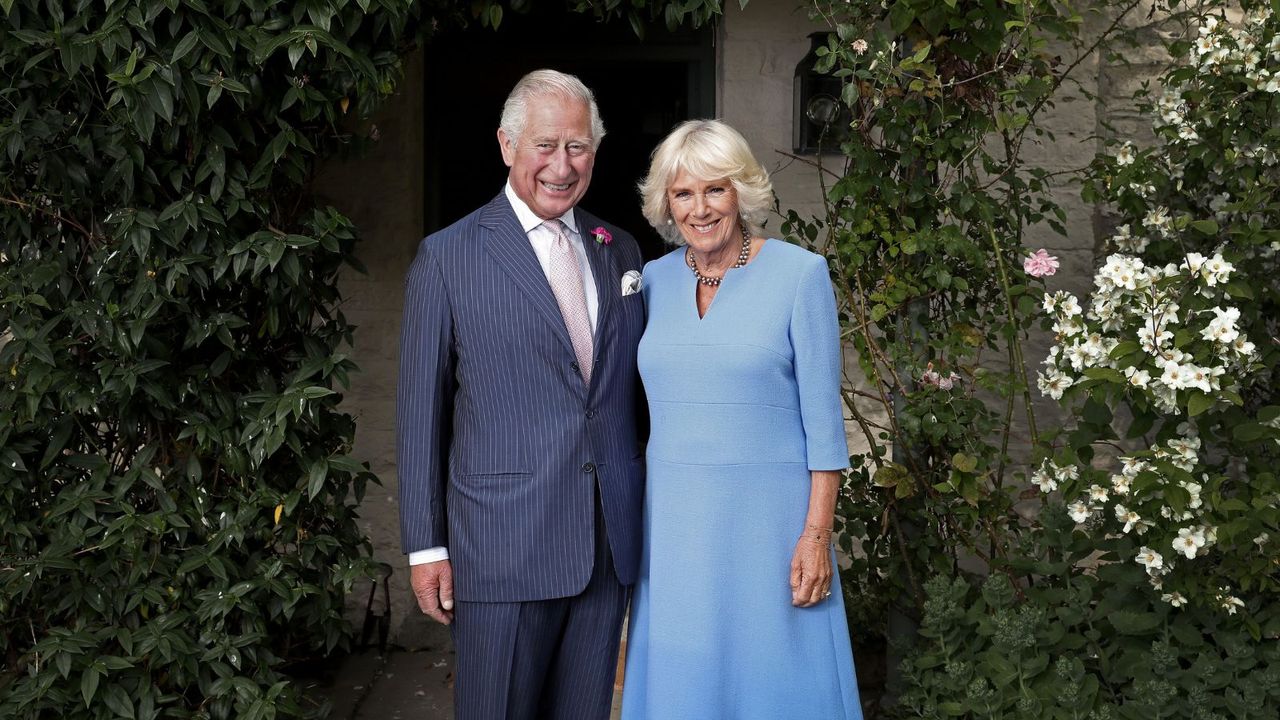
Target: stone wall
[382,193]
[757,50]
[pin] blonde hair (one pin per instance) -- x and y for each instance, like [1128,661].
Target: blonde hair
[541,83]
[707,150]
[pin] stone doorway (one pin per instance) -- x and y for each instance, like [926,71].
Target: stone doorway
[643,89]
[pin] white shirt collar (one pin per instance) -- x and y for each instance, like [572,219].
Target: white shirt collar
[528,220]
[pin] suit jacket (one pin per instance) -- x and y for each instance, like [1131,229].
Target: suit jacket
[500,444]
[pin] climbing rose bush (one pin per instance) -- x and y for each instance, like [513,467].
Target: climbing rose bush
[1177,337]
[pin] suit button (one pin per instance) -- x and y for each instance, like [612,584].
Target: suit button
[588,467]
[574,365]
[591,414]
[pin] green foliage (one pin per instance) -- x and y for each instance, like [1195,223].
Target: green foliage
[177,497]
[924,227]
[672,13]
[1197,211]
[1153,593]
[1082,646]
[176,494]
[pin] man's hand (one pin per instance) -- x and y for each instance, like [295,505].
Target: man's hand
[433,586]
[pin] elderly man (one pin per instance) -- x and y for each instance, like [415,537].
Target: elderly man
[520,476]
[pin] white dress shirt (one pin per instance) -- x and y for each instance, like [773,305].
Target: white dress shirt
[541,238]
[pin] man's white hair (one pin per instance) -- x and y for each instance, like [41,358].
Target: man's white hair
[541,83]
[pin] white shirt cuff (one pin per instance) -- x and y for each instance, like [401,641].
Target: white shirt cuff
[435,554]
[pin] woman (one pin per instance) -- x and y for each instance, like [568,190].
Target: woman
[737,613]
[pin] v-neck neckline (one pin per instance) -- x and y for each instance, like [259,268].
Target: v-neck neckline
[699,318]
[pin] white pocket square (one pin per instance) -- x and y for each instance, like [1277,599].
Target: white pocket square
[630,282]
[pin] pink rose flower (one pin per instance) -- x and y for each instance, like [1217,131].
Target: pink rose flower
[1040,263]
[602,235]
[938,380]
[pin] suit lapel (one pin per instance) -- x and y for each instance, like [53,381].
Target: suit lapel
[509,246]
[601,269]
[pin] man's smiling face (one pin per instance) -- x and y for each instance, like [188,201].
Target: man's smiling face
[551,161]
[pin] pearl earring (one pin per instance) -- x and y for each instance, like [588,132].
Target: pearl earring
[668,221]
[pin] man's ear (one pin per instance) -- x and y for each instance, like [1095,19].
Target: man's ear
[508,150]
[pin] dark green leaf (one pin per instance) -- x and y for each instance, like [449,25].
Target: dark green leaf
[89,684]
[1198,402]
[1130,622]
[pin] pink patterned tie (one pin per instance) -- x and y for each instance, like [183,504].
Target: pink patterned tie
[565,277]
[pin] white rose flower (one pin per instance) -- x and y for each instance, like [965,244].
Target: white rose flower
[1132,521]
[1079,512]
[1124,156]
[1137,378]
[1175,376]
[1243,347]
[1188,542]
[1065,473]
[1231,604]
[1149,558]
[1199,377]
[1047,482]
[1131,466]
[1079,356]
[1158,219]
[1053,383]
[1194,263]
[1153,337]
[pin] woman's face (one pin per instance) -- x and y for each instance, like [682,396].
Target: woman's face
[705,212]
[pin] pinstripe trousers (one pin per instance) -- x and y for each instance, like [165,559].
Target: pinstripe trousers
[545,659]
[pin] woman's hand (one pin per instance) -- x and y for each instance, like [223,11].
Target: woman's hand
[811,570]
[811,561]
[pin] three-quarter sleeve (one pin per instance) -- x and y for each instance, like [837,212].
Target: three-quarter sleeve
[815,342]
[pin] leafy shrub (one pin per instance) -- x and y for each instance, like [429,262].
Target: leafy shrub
[1083,645]
[1186,307]
[924,224]
[1150,590]
[176,496]
[1147,586]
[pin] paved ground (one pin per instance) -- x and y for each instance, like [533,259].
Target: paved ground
[412,680]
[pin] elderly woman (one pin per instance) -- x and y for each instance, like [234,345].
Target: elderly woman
[737,612]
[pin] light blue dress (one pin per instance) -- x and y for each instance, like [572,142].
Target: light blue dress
[743,403]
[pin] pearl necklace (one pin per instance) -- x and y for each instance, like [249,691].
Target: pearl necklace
[711,280]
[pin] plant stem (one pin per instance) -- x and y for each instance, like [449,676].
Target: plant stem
[1014,343]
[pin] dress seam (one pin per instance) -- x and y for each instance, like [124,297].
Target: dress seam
[723,464]
[749,404]
[769,350]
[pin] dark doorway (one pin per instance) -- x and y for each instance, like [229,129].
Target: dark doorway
[643,89]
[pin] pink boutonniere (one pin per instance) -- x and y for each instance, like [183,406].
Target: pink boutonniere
[602,236]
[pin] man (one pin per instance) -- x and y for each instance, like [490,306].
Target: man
[520,478]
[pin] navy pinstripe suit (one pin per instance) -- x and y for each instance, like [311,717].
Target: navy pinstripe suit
[503,450]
